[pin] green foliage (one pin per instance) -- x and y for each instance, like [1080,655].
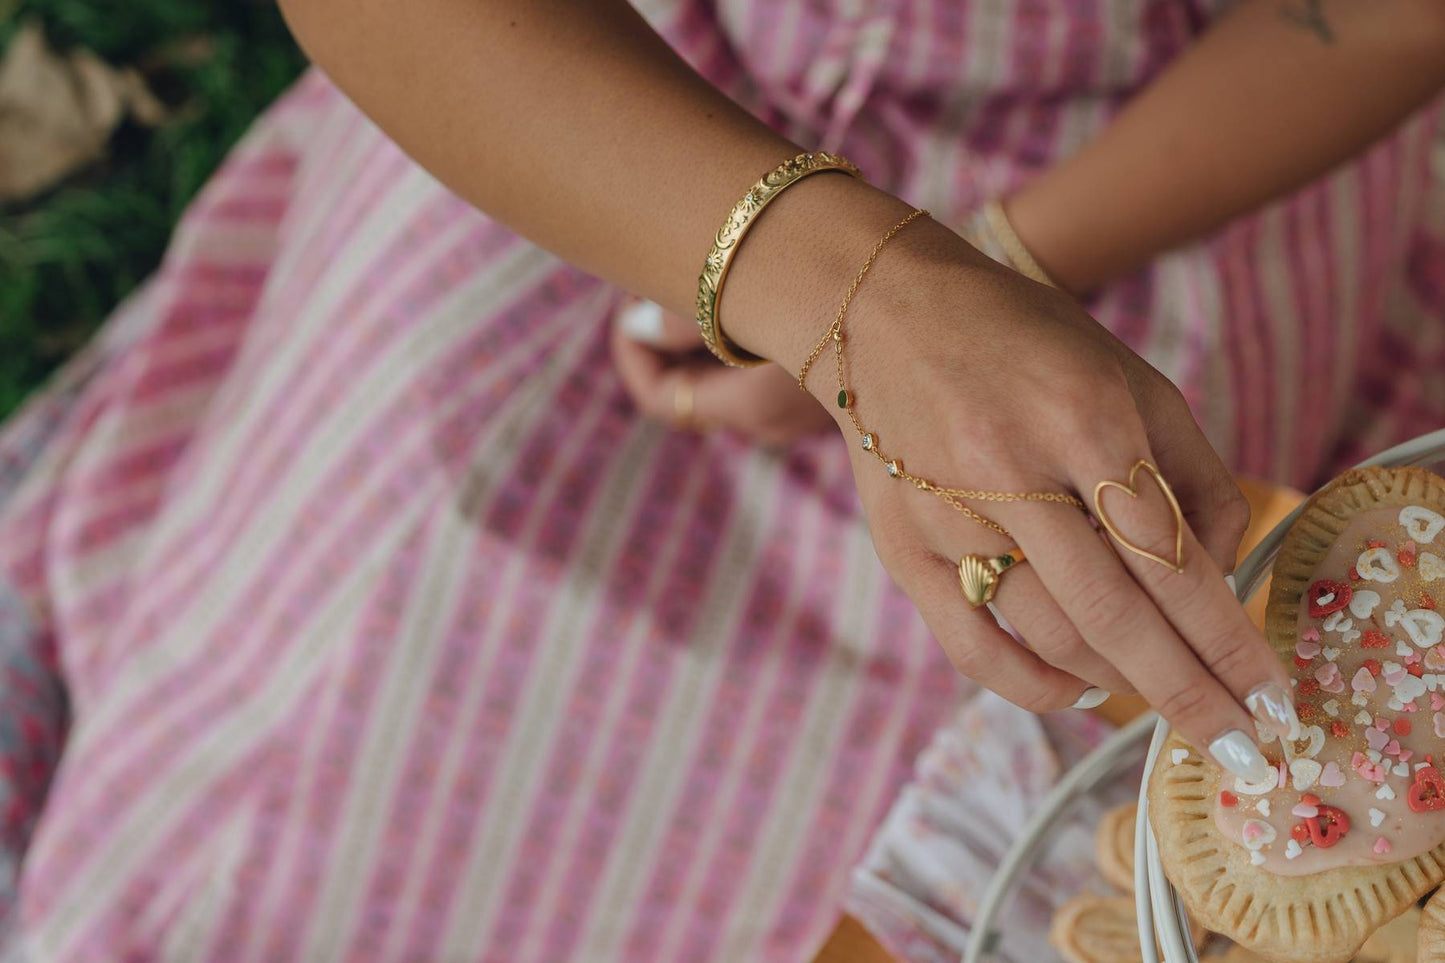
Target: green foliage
[67,257]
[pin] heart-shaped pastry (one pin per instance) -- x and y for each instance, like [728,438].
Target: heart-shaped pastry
[1129,488]
[1333,876]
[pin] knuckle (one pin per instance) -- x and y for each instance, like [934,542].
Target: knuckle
[1231,512]
[1232,656]
[1104,603]
[1183,704]
[968,659]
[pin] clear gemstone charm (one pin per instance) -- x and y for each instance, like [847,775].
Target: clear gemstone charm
[869,441]
[895,468]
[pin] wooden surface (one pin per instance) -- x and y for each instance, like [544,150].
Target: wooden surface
[850,942]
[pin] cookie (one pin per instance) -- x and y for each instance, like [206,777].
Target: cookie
[1101,929]
[1430,937]
[1351,831]
[1394,942]
[1114,846]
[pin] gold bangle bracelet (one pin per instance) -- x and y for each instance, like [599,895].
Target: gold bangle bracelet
[725,244]
[1013,246]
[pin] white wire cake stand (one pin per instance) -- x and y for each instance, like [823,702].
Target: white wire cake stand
[1159,908]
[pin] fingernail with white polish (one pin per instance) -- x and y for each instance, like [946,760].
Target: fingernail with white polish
[1273,706]
[1093,696]
[1237,752]
[642,321]
[1229,580]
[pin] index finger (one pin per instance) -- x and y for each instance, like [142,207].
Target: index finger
[1120,620]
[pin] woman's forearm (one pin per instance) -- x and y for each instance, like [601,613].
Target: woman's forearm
[573,123]
[1273,96]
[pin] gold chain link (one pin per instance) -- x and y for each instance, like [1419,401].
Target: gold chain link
[953,496]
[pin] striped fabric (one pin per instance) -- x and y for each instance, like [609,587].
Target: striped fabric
[391,632]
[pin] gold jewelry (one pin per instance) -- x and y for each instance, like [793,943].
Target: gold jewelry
[1129,489]
[684,397]
[979,575]
[953,496]
[725,244]
[834,332]
[1013,246]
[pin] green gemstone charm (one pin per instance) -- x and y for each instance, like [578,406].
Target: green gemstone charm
[844,399]
[869,441]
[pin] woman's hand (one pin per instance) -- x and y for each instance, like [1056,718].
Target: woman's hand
[671,378]
[975,377]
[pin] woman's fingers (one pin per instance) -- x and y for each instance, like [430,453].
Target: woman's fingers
[982,651]
[1196,600]
[1121,622]
[1213,505]
[1030,610]
[1020,598]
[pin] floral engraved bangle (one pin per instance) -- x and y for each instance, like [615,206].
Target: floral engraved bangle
[742,217]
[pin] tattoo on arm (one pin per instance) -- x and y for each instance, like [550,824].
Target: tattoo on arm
[1309,14]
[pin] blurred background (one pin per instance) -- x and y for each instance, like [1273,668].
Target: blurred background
[93,178]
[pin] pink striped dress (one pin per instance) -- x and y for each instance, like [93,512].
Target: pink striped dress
[387,630]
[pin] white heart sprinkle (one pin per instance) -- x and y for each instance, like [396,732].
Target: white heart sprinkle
[1376,816]
[1292,849]
[1384,792]
[1324,600]
[1363,602]
[1377,565]
[1421,523]
[1401,769]
[1363,718]
[1306,772]
[1256,857]
[1179,755]
[1263,807]
[1350,637]
[1360,699]
[1431,566]
[1373,755]
[1330,653]
[1332,707]
[1337,622]
[1402,647]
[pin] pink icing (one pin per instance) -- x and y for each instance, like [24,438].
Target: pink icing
[1360,756]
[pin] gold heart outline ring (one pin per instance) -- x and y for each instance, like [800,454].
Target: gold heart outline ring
[979,575]
[1129,488]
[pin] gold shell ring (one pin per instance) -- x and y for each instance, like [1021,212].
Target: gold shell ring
[979,575]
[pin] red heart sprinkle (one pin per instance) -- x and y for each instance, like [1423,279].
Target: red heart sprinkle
[1427,792]
[1227,798]
[1355,575]
[1308,687]
[1407,558]
[1426,602]
[1310,799]
[1300,832]
[1374,640]
[1338,729]
[1375,544]
[1415,669]
[1323,587]
[1402,727]
[1373,665]
[1300,663]
[1306,711]
[1329,827]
